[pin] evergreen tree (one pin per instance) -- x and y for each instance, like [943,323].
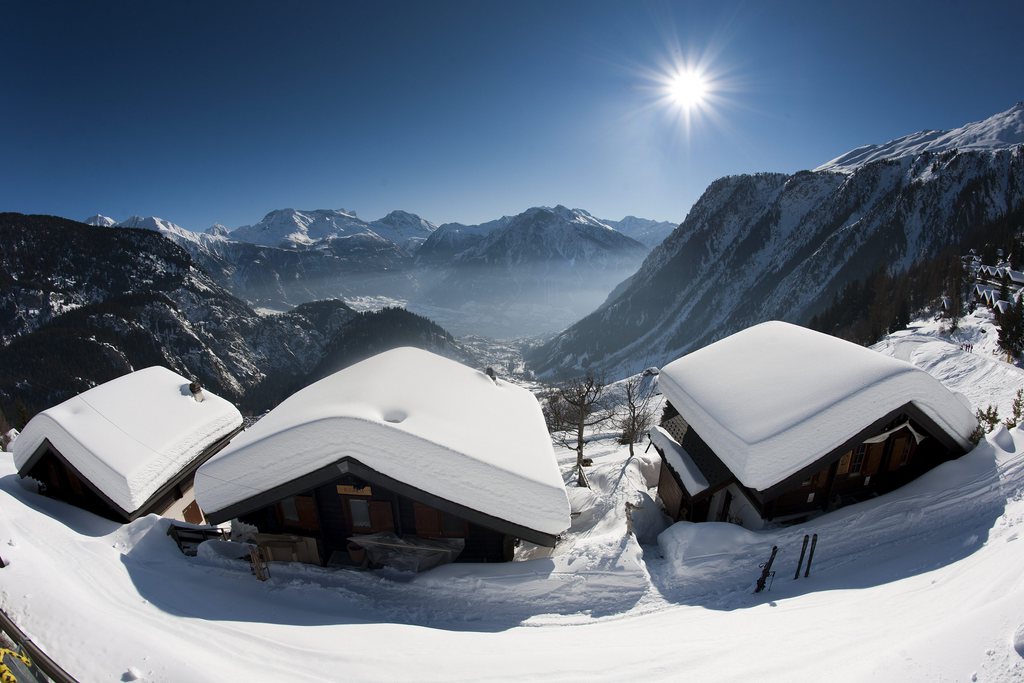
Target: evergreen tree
[955,293]
[1018,411]
[987,421]
[1011,328]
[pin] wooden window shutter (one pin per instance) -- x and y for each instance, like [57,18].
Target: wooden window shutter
[381,518]
[874,458]
[428,520]
[192,513]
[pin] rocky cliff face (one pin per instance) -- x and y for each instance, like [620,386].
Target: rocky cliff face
[776,246]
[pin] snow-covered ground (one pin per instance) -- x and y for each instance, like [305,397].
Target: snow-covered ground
[922,584]
[981,374]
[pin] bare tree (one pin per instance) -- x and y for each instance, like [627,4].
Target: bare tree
[574,406]
[636,412]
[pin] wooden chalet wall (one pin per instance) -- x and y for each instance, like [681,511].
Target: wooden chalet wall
[840,478]
[348,506]
[63,483]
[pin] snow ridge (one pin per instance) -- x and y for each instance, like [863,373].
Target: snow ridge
[1001,131]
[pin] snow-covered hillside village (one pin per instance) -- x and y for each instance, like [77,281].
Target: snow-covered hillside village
[653,343]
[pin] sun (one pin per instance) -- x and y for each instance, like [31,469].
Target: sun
[688,89]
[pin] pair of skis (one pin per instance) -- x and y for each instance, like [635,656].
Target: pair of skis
[766,567]
[810,558]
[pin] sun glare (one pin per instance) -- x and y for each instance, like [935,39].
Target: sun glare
[688,89]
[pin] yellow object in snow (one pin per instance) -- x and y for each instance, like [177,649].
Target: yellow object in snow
[8,667]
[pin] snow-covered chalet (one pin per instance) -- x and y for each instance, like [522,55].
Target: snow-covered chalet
[777,422]
[400,451]
[128,447]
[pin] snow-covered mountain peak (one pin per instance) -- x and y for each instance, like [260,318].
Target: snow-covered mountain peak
[562,215]
[543,233]
[644,230]
[101,221]
[154,223]
[218,230]
[403,228]
[402,218]
[1000,131]
[295,227]
[167,229]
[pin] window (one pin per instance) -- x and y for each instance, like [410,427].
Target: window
[815,479]
[360,511]
[370,516]
[298,512]
[289,512]
[857,462]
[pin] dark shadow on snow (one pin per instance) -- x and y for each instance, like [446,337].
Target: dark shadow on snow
[460,597]
[908,532]
[78,520]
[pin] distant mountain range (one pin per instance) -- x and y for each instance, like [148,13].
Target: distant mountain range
[779,246]
[532,273]
[535,272]
[290,228]
[80,306]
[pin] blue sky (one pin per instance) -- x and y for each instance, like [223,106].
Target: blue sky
[203,112]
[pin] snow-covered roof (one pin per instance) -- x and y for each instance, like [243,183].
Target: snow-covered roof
[130,436]
[416,417]
[774,398]
[679,461]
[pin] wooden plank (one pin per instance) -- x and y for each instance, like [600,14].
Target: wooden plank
[428,520]
[381,516]
[192,513]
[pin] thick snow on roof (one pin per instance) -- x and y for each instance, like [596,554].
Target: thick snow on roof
[414,416]
[679,460]
[131,435]
[772,399]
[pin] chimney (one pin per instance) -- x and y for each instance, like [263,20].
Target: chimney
[493,375]
[197,390]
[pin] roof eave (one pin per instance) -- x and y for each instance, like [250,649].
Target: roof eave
[145,507]
[352,466]
[948,441]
